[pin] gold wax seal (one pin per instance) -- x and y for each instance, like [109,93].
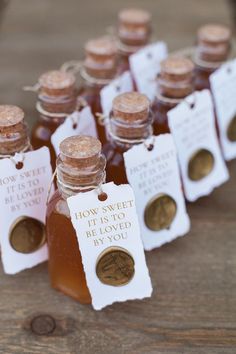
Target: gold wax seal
[115,266]
[200,165]
[27,235]
[160,212]
[231,131]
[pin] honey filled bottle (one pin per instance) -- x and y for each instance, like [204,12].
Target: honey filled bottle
[174,83]
[134,30]
[80,165]
[99,69]
[213,48]
[56,100]
[13,132]
[130,123]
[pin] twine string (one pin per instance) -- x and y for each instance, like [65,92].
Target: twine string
[105,121]
[33,88]
[21,155]
[42,111]
[75,189]
[73,66]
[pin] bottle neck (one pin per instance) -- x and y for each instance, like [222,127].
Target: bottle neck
[206,66]
[54,108]
[14,141]
[76,178]
[95,82]
[125,134]
[175,90]
[125,50]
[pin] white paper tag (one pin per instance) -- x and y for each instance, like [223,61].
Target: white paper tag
[145,65]
[155,179]
[77,123]
[100,225]
[23,195]
[120,85]
[193,129]
[223,86]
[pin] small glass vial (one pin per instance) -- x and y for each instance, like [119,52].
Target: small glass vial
[56,100]
[13,132]
[134,30]
[130,123]
[80,165]
[99,69]
[174,83]
[213,48]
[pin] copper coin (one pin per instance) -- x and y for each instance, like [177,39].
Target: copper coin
[160,212]
[115,266]
[27,235]
[200,165]
[231,131]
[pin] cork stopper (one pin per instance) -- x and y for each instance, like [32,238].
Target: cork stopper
[213,42]
[176,77]
[131,107]
[130,115]
[101,55]
[13,130]
[57,83]
[11,118]
[80,151]
[134,26]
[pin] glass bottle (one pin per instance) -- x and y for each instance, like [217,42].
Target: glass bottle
[174,83]
[13,132]
[134,30]
[80,165]
[130,123]
[213,48]
[56,100]
[99,69]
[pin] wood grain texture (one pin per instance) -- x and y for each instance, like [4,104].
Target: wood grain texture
[193,308]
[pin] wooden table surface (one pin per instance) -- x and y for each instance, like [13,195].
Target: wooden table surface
[193,307]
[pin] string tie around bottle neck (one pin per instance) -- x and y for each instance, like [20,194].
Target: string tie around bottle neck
[75,189]
[105,121]
[19,157]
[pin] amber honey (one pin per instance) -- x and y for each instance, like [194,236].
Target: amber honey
[130,123]
[80,165]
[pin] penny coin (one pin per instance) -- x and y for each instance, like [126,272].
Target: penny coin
[231,131]
[200,165]
[160,212]
[27,235]
[115,266]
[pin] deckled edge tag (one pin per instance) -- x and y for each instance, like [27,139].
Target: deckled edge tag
[224,92]
[184,122]
[23,193]
[120,85]
[145,65]
[152,174]
[91,228]
[77,123]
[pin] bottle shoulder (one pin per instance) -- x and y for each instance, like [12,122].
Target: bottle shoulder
[57,205]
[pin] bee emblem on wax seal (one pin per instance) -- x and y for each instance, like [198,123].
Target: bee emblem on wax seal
[27,235]
[231,131]
[200,165]
[160,212]
[115,266]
